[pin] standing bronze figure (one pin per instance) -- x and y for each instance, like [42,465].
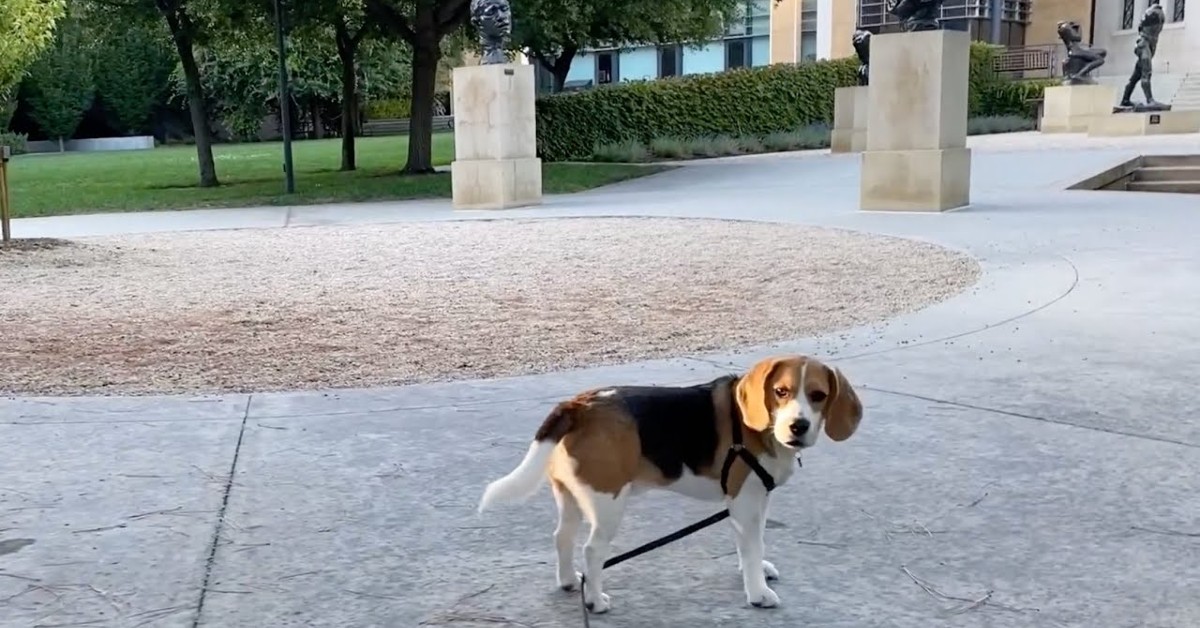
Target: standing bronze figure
[493,20]
[1081,58]
[917,15]
[862,47]
[1149,28]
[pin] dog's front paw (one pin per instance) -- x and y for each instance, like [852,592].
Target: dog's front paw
[600,605]
[770,571]
[765,598]
[569,583]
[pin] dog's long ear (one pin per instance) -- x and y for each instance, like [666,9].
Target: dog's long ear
[844,410]
[752,394]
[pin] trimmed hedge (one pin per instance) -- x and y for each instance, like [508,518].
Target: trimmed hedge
[747,102]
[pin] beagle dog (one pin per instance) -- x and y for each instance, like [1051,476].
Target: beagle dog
[606,445]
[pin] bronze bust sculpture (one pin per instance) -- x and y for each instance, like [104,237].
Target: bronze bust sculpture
[917,15]
[493,20]
[862,47]
[1149,28]
[1081,59]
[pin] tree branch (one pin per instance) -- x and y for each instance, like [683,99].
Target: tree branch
[452,14]
[390,19]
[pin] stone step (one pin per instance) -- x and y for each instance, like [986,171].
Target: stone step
[1178,187]
[1168,173]
[1170,161]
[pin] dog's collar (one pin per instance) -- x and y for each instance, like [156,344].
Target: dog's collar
[738,450]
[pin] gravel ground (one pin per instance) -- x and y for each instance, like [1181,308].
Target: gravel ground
[331,307]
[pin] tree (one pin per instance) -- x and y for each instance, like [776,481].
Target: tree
[132,68]
[241,72]
[187,31]
[60,87]
[424,24]
[26,29]
[552,32]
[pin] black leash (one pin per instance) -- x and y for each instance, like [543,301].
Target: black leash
[736,450]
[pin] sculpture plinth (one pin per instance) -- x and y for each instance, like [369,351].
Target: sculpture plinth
[495,138]
[1145,123]
[1071,108]
[849,134]
[916,158]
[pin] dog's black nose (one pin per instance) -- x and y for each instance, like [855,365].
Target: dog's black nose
[800,427]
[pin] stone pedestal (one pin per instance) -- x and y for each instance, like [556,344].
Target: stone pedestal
[1144,123]
[1071,108]
[849,133]
[916,158]
[495,138]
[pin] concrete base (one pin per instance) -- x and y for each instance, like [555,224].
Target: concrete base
[915,180]
[495,138]
[1071,108]
[849,133]
[1145,123]
[916,157]
[496,183]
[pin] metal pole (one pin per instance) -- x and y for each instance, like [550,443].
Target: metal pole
[5,218]
[997,13]
[285,116]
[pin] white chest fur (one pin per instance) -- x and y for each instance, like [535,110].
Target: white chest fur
[708,489]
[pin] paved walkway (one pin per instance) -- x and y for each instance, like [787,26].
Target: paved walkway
[1029,452]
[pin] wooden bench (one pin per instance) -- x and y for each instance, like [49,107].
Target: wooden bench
[400,126]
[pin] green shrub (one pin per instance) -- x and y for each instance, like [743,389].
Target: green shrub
[1012,98]
[670,148]
[621,152]
[388,109]
[986,125]
[18,143]
[739,103]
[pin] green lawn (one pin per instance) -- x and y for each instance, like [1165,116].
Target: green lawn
[252,175]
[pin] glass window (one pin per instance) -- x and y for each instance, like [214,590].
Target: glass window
[1127,14]
[669,61]
[737,53]
[758,17]
[1177,11]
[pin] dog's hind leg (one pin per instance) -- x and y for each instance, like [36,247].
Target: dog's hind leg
[604,512]
[569,518]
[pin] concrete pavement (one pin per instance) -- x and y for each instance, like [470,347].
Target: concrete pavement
[1029,450]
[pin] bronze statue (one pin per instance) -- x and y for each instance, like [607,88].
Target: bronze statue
[917,15]
[1149,28]
[862,47]
[493,20]
[1081,58]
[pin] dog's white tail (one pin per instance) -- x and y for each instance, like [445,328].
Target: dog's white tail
[523,481]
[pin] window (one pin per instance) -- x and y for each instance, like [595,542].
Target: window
[737,53]
[606,68]
[1126,14]
[670,61]
[1177,11]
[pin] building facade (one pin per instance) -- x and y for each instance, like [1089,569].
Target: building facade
[767,31]
[797,31]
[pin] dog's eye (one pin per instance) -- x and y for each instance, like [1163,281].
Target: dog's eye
[781,392]
[817,396]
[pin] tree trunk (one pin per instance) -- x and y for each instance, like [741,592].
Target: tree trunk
[318,127]
[560,67]
[180,26]
[346,53]
[420,131]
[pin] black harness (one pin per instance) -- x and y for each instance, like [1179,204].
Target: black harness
[736,450]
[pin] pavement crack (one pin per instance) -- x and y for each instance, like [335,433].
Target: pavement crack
[220,527]
[1036,417]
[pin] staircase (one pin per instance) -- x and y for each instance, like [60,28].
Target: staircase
[1164,173]
[1188,95]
